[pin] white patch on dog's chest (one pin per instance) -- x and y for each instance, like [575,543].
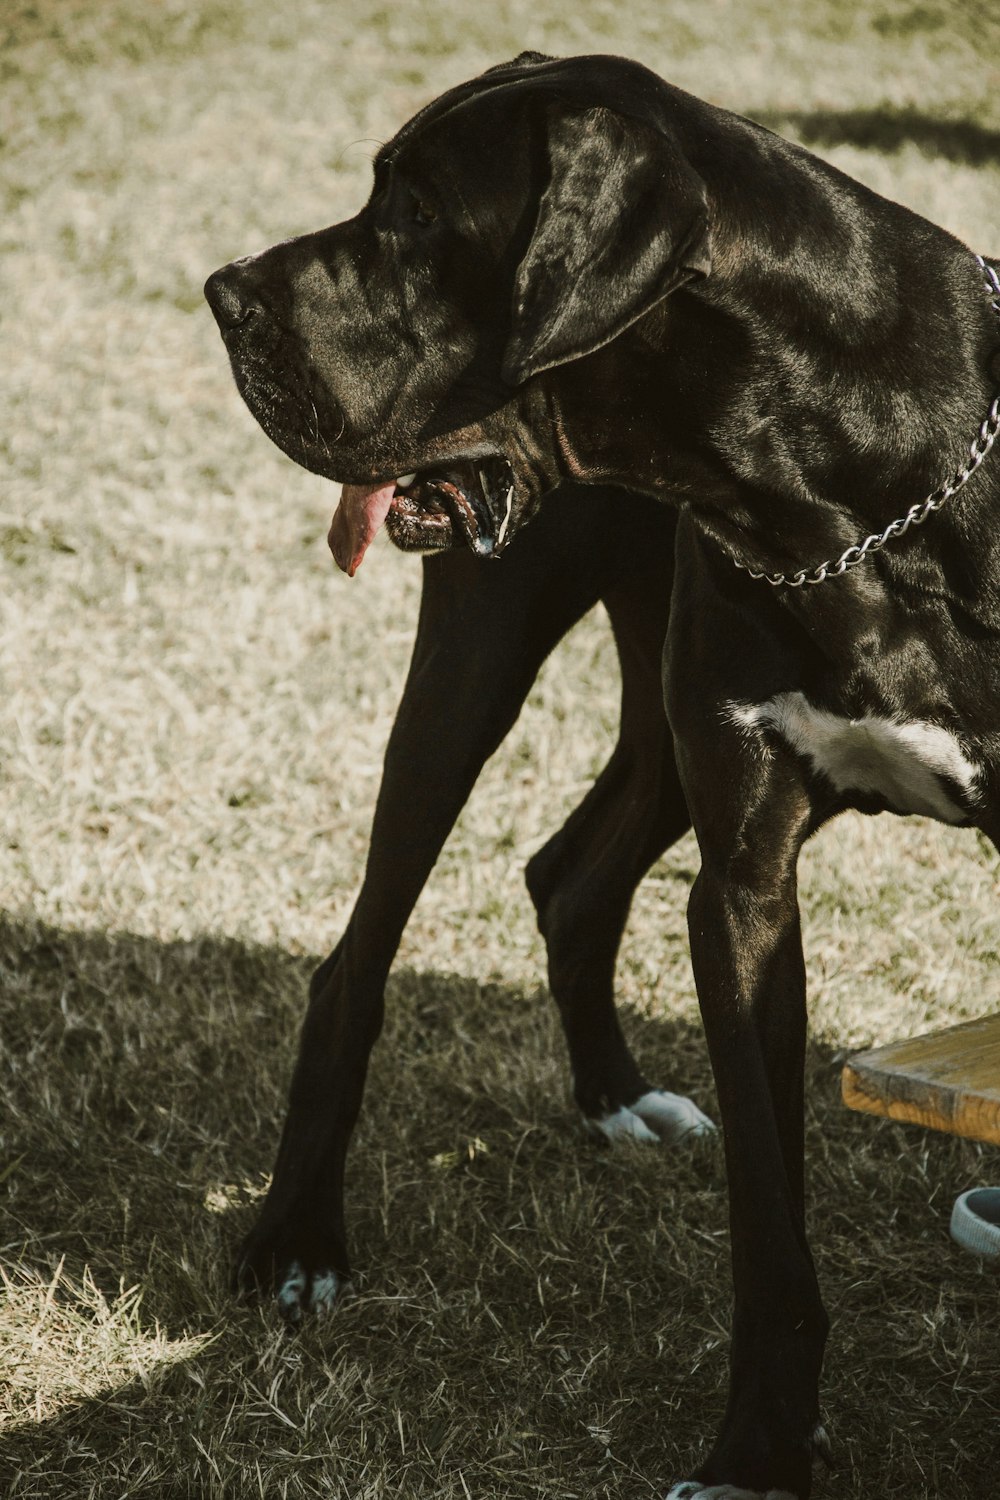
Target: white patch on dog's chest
[902,762]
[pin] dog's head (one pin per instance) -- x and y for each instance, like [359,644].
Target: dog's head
[522,221]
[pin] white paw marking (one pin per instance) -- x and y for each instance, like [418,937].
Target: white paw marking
[295,1293]
[821,1445]
[325,1291]
[691,1489]
[655,1118]
[899,761]
[289,1297]
[671,1116]
[623,1125]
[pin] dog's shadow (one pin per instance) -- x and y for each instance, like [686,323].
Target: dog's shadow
[516,1279]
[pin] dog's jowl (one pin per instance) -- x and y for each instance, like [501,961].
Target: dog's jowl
[570,271]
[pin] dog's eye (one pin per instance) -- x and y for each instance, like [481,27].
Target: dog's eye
[423,214]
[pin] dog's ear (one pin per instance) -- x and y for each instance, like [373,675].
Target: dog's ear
[622,222]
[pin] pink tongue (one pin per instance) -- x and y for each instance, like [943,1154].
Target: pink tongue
[359,515]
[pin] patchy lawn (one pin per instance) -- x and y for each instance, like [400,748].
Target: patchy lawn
[193,712]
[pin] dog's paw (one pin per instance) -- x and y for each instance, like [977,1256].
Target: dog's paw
[295,1269]
[693,1489]
[300,1291]
[656,1117]
[697,1489]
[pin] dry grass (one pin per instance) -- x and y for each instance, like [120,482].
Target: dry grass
[193,712]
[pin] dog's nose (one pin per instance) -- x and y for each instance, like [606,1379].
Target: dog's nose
[230,298]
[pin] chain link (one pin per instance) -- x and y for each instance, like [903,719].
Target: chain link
[918,513]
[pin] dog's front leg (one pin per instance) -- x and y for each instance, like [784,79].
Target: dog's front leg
[483,634]
[747,956]
[751,807]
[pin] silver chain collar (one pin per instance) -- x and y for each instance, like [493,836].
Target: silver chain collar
[918,513]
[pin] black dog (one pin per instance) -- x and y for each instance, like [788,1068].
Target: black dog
[570,270]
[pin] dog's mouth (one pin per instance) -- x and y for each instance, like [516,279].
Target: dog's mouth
[468,500]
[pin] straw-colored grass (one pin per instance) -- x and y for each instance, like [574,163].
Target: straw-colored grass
[191,726]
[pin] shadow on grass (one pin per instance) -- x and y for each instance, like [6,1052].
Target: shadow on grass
[888,130]
[145,1085]
[527,1302]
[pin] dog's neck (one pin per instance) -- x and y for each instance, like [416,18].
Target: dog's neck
[888,404]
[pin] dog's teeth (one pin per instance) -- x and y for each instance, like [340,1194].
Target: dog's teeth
[405,480]
[506,520]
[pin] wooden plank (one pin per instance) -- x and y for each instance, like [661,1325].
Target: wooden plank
[947,1080]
